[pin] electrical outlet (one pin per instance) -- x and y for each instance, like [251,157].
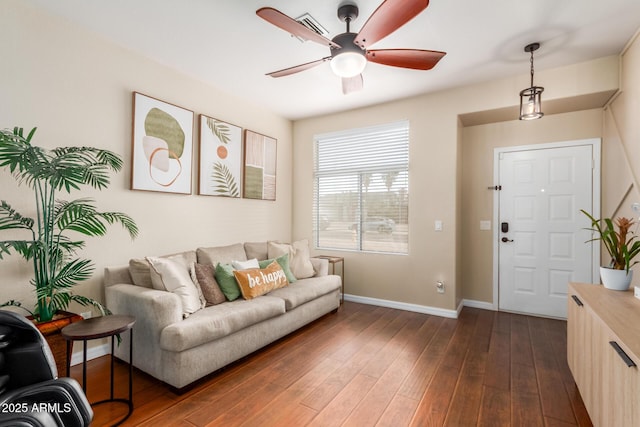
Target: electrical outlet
[86,315]
[440,286]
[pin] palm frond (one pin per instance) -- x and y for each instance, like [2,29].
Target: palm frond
[219,129]
[10,219]
[23,247]
[81,215]
[224,181]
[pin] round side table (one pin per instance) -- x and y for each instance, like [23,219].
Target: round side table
[102,327]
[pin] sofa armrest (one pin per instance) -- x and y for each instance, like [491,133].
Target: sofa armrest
[154,310]
[152,307]
[320,266]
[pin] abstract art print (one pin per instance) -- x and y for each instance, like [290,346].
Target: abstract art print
[259,166]
[220,158]
[162,146]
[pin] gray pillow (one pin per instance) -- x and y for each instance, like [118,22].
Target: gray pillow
[204,276]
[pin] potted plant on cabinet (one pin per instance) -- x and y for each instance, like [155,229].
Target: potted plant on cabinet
[48,245]
[622,245]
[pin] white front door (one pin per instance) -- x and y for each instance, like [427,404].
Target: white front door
[541,230]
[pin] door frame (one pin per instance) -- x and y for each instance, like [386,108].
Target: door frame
[596,144]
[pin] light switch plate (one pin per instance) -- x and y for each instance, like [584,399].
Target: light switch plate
[438,225]
[485,225]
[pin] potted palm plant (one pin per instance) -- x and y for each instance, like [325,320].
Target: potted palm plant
[621,243]
[47,244]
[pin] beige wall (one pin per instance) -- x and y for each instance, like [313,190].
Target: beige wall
[437,167]
[621,148]
[76,88]
[479,143]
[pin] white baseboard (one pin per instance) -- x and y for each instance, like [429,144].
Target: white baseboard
[442,312]
[92,353]
[478,304]
[425,309]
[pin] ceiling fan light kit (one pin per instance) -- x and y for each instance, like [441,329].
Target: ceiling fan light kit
[531,97]
[349,51]
[348,60]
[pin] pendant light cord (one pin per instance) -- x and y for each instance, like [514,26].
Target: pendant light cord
[532,68]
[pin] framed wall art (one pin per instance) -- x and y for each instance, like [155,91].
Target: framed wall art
[259,166]
[162,146]
[220,171]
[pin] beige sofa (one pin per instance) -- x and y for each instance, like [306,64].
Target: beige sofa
[179,350]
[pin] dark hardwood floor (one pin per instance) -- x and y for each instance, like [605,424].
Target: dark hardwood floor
[373,366]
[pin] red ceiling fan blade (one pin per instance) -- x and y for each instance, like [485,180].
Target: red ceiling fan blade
[352,84]
[388,17]
[292,26]
[298,68]
[416,59]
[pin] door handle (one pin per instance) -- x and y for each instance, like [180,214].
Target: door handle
[506,239]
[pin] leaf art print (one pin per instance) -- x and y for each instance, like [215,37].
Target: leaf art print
[220,158]
[162,146]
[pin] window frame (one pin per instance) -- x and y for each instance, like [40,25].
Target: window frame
[398,165]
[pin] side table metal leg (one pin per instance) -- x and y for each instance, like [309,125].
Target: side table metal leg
[69,358]
[131,367]
[112,336]
[84,366]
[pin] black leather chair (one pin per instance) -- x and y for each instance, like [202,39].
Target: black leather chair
[31,394]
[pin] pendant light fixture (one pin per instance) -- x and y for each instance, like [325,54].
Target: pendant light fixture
[530,98]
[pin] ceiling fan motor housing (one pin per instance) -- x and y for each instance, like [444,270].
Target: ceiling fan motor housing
[346,41]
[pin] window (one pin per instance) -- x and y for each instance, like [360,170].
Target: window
[361,189]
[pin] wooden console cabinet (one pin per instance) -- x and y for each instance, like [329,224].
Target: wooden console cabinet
[603,351]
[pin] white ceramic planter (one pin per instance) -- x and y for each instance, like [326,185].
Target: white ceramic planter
[617,280]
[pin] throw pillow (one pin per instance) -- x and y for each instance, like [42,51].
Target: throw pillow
[203,275]
[258,281]
[224,254]
[171,276]
[299,258]
[227,281]
[283,260]
[243,265]
[256,250]
[139,271]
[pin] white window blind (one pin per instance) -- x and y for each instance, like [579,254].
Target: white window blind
[361,189]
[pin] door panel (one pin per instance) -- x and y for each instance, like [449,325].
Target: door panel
[542,193]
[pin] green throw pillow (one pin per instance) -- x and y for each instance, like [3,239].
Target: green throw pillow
[283,260]
[227,281]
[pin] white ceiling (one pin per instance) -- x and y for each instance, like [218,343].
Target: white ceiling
[224,43]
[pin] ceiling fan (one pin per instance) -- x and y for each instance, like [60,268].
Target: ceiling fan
[349,51]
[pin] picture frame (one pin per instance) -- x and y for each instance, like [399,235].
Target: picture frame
[162,146]
[220,164]
[260,163]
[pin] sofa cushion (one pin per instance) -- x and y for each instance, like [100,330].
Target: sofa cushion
[219,321]
[227,281]
[221,254]
[203,275]
[169,275]
[256,250]
[139,268]
[306,290]
[299,261]
[254,282]
[283,260]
